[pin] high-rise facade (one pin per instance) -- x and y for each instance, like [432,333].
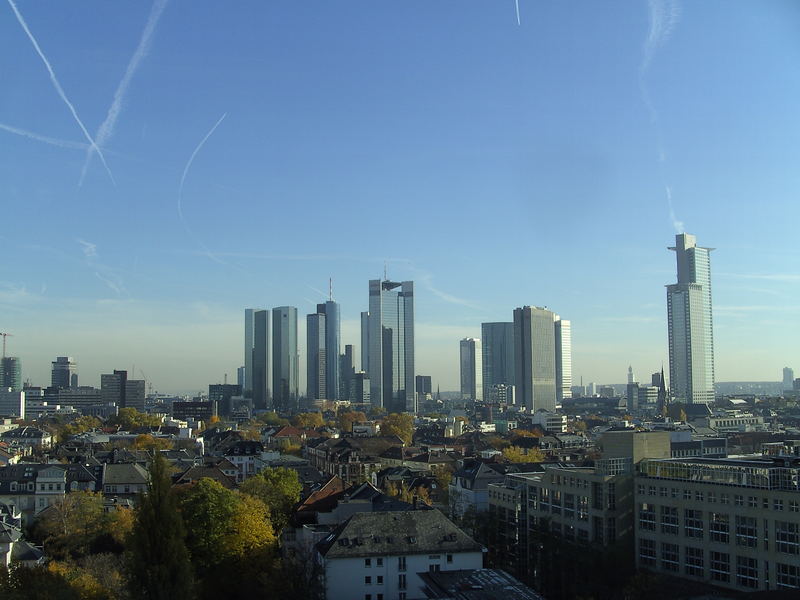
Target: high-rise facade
[347,368]
[535,358]
[333,346]
[285,360]
[497,356]
[788,378]
[391,345]
[563,335]
[471,369]
[11,373]
[316,357]
[259,364]
[63,370]
[116,388]
[690,325]
[249,344]
[365,341]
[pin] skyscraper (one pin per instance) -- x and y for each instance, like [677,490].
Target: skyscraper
[471,369]
[391,345]
[365,341]
[11,373]
[316,358]
[249,344]
[333,346]
[63,370]
[535,358]
[788,378]
[563,333]
[116,388]
[285,360]
[259,364]
[347,368]
[497,341]
[691,336]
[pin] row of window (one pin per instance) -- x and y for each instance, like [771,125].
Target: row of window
[746,572]
[722,497]
[787,534]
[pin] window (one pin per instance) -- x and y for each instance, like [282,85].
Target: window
[693,523]
[449,558]
[378,561]
[367,596]
[738,500]
[746,533]
[379,580]
[687,494]
[401,596]
[662,492]
[746,571]
[380,596]
[647,552]
[794,506]
[651,490]
[367,580]
[693,562]
[719,528]
[752,502]
[669,519]
[777,505]
[640,489]
[368,562]
[434,568]
[401,580]
[569,506]
[673,492]
[786,537]
[724,499]
[698,496]
[712,496]
[647,517]
[720,565]
[401,564]
[583,508]
[670,556]
[788,575]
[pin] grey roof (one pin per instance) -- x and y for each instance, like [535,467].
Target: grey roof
[9,533]
[476,584]
[26,552]
[122,473]
[386,533]
[27,433]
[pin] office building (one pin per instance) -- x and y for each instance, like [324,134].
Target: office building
[221,394]
[631,376]
[563,335]
[85,399]
[285,360]
[360,388]
[11,373]
[63,374]
[501,394]
[12,403]
[116,388]
[347,368]
[535,358]
[497,340]
[788,378]
[249,345]
[333,346]
[194,410]
[391,344]
[729,522]
[471,369]
[259,368]
[423,386]
[365,342]
[240,377]
[316,358]
[690,326]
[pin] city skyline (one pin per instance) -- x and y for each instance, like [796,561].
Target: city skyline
[585,134]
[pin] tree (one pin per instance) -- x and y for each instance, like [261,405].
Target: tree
[514,454]
[497,442]
[42,583]
[399,424]
[250,529]
[209,507]
[308,420]
[79,425]
[130,418]
[158,559]
[69,525]
[345,420]
[146,441]
[279,489]
[272,418]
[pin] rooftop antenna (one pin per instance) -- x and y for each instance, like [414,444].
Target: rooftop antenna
[385,276]
[330,289]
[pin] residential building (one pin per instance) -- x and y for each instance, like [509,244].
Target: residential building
[285,360]
[535,358]
[730,522]
[498,356]
[11,373]
[63,373]
[391,345]
[125,480]
[471,369]
[28,437]
[468,490]
[116,388]
[259,381]
[316,357]
[689,318]
[380,555]
[563,336]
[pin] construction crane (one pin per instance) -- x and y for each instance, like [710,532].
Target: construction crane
[149,383]
[5,335]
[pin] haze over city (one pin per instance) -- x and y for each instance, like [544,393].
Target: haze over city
[255,151]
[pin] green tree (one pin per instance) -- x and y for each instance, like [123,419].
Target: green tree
[130,418]
[145,441]
[308,420]
[79,425]
[42,583]
[279,489]
[68,526]
[272,418]
[345,420]
[399,424]
[158,559]
[514,454]
[209,507]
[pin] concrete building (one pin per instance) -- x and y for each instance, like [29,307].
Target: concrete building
[497,355]
[380,555]
[285,360]
[64,373]
[260,363]
[116,388]
[551,422]
[82,398]
[471,365]
[535,358]
[391,343]
[690,324]
[729,522]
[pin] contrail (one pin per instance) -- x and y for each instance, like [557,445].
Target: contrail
[59,89]
[516,3]
[106,129]
[180,190]
[678,225]
[43,138]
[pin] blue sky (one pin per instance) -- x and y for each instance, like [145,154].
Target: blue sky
[494,164]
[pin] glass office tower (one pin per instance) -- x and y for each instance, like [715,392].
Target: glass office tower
[535,358]
[497,340]
[285,360]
